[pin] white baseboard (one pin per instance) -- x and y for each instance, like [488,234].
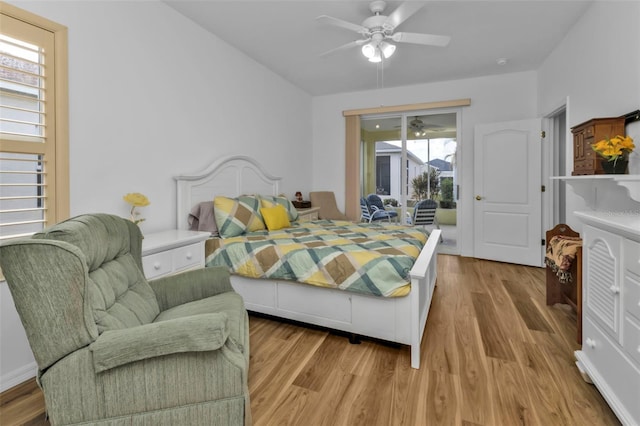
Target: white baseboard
[18,376]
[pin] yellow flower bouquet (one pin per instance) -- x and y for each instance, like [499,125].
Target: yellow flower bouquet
[614,149]
[136,199]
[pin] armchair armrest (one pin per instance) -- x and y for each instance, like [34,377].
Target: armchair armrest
[204,332]
[189,286]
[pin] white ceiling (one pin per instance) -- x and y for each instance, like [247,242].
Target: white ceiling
[285,37]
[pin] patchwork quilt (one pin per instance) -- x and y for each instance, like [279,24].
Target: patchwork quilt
[372,259]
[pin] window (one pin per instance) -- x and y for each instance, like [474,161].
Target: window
[383,174]
[34,171]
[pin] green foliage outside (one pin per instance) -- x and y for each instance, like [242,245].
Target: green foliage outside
[422,182]
[446,188]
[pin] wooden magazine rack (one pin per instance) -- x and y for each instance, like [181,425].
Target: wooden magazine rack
[566,293]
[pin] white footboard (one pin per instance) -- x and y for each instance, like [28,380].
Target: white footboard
[396,319]
[423,282]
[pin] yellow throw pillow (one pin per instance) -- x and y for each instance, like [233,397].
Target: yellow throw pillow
[275,217]
[270,201]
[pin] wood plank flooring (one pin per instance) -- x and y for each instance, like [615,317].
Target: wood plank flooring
[493,354]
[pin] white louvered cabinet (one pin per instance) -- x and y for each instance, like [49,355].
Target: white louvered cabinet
[610,355]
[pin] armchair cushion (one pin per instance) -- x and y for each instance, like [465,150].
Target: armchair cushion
[204,332]
[191,285]
[230,304]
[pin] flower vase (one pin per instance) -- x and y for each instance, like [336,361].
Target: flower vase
[615,167]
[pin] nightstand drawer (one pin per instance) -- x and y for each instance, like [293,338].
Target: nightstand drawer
[157,264]
[188,256]
[309,217]
[167,252]
[306,215]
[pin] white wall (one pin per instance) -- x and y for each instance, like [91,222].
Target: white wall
[153,95]
[597,66]
[493,99]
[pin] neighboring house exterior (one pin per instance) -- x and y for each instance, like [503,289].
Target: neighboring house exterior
[445,167]
[388,162]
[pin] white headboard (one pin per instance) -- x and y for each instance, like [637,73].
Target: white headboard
[229,176]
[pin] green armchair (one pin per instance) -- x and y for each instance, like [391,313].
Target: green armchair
[113,348]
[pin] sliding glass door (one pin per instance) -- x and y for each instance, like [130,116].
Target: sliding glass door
[407,158]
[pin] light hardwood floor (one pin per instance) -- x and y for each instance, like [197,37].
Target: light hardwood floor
[493,354]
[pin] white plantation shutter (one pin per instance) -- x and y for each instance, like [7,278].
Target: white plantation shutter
[32,143]
[22,194]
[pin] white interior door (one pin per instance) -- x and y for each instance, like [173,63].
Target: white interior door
[507,183]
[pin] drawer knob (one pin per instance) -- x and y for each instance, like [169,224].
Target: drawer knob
[591,343]
[157,265]
[614,289]
[189,255]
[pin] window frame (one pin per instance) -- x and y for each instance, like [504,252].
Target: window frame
[58,199]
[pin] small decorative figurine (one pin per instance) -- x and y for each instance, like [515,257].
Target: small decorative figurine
[298,196]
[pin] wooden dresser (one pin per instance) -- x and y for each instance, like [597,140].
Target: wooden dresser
[585,159]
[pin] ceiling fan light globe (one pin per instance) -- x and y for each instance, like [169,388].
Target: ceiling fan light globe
[377,57]
[387,49]
[369,51]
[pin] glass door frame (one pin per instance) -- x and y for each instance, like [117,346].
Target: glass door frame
[404,117]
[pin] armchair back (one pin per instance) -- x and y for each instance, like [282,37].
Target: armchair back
[75,280]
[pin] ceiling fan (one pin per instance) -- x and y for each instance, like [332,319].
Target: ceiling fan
[378,30]
[419,127]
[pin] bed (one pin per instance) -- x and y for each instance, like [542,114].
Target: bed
[396,319]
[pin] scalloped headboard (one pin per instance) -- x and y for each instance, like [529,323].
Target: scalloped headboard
[229,176]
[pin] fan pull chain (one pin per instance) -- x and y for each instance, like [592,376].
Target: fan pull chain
[380,73]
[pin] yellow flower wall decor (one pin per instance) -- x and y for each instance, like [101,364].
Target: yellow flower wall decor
[136,199]
[618,147]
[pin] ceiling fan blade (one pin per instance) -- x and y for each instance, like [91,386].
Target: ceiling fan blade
[417,38]
[329,20]
[402,13]
[345,47]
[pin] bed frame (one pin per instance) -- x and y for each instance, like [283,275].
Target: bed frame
[396,319]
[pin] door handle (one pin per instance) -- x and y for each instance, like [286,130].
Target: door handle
[478,197]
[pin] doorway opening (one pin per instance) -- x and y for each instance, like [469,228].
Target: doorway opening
[556,124]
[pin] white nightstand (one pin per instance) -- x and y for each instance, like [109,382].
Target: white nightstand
[172,251]
[306,215]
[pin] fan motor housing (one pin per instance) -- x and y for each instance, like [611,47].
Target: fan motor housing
[374,22]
